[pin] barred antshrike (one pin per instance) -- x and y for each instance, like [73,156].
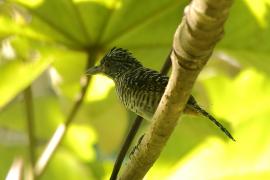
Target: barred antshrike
[140,89]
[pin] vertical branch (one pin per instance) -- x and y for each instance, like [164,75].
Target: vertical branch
[30,128]
[60,132]
[194,41]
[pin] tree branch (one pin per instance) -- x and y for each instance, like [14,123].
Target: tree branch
[194,41]
[28,97]
[60,132]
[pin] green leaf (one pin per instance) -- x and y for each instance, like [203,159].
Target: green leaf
[108,117]
[48,116]
[248,158]
[17,75]
[66,73]
[67,23]
[81,139]
[247,36]
[84,23]
[66,166]
[10,27]
[159,15]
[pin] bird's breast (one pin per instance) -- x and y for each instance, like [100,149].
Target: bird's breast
[141,102]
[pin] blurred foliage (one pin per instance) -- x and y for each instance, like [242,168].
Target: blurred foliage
[45,44]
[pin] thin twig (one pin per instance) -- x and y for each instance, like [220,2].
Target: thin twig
[28,97]
[134,129]
[167,65]
[131,134]
[60,132]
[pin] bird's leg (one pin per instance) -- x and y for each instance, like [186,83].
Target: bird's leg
[136,146]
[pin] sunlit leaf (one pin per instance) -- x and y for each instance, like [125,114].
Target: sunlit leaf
[47,116]
[17,75]
[109,118]
[81,140]
[66,166]
[248,158]
[66,72]
[246,39]
[10,28]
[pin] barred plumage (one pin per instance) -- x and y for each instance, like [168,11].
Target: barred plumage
[140,89]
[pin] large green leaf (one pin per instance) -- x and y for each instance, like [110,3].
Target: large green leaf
[66,73]
[105,124]
[66,166]
[17,75]
[81,24]
[9,27]
[248,33]
[47,112]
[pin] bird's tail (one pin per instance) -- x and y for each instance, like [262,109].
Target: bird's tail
[201,111]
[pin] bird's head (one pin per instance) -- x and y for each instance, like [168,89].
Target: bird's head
[116,62]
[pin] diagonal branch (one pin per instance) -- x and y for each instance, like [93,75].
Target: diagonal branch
[194,41]
[60,132]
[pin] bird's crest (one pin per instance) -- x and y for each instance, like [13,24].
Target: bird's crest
[120,55]
[118,52]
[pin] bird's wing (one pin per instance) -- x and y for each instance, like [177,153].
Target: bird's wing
[146,80]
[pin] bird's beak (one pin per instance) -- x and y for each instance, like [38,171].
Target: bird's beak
[94,70]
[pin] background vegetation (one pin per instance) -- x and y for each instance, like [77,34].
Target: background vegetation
[46,43]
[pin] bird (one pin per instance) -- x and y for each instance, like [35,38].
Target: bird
[140,88]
